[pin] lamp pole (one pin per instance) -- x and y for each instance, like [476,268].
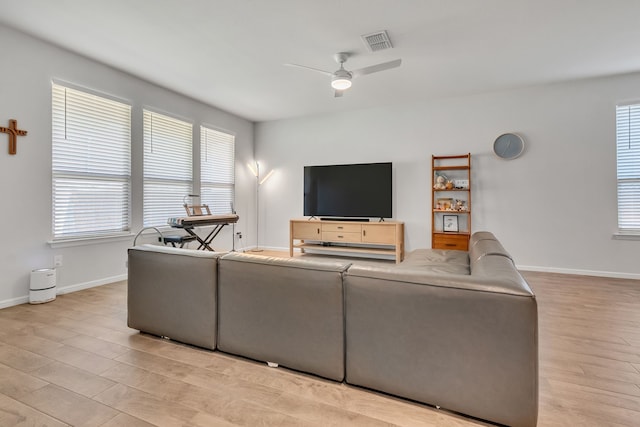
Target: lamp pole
[257,248]
[255,169]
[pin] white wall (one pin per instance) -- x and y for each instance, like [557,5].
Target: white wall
[25,179]
[554,208]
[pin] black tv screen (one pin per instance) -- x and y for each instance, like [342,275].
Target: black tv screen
[357,190]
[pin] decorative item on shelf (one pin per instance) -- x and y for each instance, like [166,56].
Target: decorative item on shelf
[441,182]
[450,223]
[461,184]
[449,185]
[460,205]
[444,204]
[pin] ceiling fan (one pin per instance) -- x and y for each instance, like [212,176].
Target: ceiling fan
[341,79]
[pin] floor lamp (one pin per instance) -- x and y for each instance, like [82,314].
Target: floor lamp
[255,169]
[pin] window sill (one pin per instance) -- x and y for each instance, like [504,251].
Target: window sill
[626,236]
[83,241]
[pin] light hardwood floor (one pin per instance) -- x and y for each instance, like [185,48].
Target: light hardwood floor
[73,361]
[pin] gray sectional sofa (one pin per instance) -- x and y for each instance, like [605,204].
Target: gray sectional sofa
[447,328]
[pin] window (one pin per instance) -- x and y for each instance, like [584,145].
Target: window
[168,171]
[628,161]
[91,164]
[217,151]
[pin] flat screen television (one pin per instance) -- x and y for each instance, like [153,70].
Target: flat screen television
[348,191]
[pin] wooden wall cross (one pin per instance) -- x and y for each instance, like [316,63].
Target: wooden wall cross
[13,132]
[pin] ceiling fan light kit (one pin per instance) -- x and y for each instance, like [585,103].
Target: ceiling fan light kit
[341,82]
[341,79]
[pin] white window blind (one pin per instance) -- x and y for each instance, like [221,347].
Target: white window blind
[168,170]
[91,164]
[628,161]
[217,160]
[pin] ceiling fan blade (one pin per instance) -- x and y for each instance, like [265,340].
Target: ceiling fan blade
[310,68]
[376,68]
[338,93]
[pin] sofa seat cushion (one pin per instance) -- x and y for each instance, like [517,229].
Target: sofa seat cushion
[437,261]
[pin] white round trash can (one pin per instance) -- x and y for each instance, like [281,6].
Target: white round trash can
[43,285]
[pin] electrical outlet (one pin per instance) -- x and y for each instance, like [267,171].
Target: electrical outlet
[57,261]
[239,234]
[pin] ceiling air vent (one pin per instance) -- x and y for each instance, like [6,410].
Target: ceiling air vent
[377,41]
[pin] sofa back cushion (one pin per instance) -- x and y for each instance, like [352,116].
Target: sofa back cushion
[285,311]
[467,343]
[172,292]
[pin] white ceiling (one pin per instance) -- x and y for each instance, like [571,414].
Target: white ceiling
[230,53]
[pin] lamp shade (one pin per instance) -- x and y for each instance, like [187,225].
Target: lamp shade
[253,168]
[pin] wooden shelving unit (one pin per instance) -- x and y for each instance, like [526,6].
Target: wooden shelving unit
[451,205]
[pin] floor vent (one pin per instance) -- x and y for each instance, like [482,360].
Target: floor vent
[377,41]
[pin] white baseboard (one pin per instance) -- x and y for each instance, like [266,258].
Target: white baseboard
[13,301]
[66,290]
[576,272]
[80,286]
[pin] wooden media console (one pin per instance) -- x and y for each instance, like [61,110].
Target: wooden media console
[359,238]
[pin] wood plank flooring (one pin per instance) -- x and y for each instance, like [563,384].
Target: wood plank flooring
[73,361]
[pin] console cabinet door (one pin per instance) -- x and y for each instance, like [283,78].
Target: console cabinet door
[306,230]
[384,234]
